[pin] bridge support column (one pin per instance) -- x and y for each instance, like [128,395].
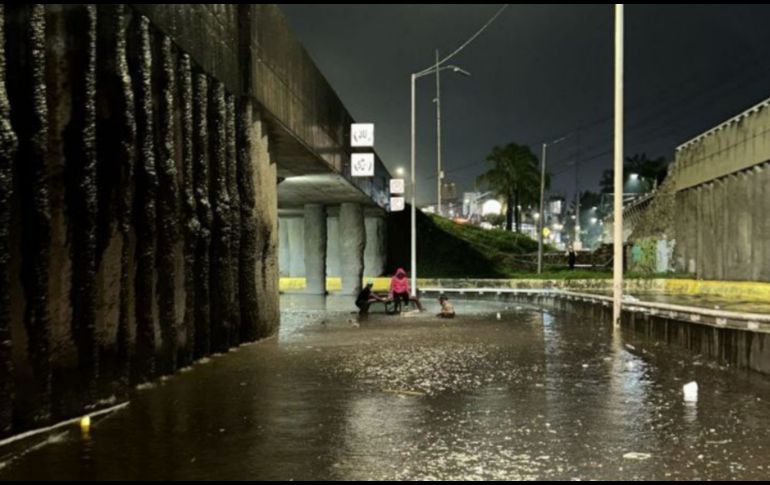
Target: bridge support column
[315,249]
[332,246]
[296,253]
[376,246]
[352,245]
[283,246]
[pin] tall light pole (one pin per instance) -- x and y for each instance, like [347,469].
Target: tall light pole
[542,211]
[413,244]
[617,273]
[439,177]
[542,205]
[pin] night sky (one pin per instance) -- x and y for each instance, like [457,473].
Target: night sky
[538,73]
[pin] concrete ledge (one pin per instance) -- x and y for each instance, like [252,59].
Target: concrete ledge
[744,290]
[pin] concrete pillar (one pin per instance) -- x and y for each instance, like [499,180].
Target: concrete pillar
[315,249]
[283,246]
[352,243]
[376,246]
[333,246]
[296,259]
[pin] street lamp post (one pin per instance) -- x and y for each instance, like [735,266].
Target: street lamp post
[413,244]
[438,137]
[617,267]
[542,211]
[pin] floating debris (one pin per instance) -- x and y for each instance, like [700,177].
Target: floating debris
[690,391]
[635,455]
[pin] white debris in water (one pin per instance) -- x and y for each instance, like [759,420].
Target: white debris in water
[690,391]
[635,455]
[499,316]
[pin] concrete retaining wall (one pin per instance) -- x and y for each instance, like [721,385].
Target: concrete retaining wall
[721,227]
[138,208]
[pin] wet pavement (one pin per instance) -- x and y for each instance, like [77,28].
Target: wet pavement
[528,395]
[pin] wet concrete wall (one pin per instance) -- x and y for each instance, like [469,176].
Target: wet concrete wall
[138,208]
[721,227]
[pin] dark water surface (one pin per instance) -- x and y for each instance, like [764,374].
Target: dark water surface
[532,395]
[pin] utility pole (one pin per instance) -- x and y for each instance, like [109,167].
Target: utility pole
[617,273]
[439,175]
[540,221]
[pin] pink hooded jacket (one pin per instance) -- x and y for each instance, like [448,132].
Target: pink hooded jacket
[399,285]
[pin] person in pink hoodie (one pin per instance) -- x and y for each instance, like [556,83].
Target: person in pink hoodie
[400,291]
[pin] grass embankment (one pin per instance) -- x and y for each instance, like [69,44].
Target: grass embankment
[446,249]
[450,250]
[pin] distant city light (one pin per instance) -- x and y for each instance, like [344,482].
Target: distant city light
[491,207]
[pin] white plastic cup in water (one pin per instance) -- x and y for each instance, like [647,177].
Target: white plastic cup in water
[690,392]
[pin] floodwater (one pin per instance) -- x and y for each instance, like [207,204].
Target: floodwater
[531,395]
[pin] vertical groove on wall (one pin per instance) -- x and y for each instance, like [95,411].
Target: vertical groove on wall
[167,210]
[221,285]
[247,288]
[80,155]
[235,221]
[29,115]
[116,148]
[189,215]
[145,204]
[8,145]
[203,209]
[126,157]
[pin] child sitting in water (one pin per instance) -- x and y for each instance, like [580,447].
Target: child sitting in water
[447,309]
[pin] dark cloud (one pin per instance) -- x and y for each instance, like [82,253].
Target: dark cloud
[539,72]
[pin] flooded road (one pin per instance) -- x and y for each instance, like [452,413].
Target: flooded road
[528,395]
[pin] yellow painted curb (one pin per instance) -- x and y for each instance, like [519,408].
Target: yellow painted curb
[747,290]
[332,284]
[742,290]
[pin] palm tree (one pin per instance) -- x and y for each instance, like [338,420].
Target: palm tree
[514,176]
